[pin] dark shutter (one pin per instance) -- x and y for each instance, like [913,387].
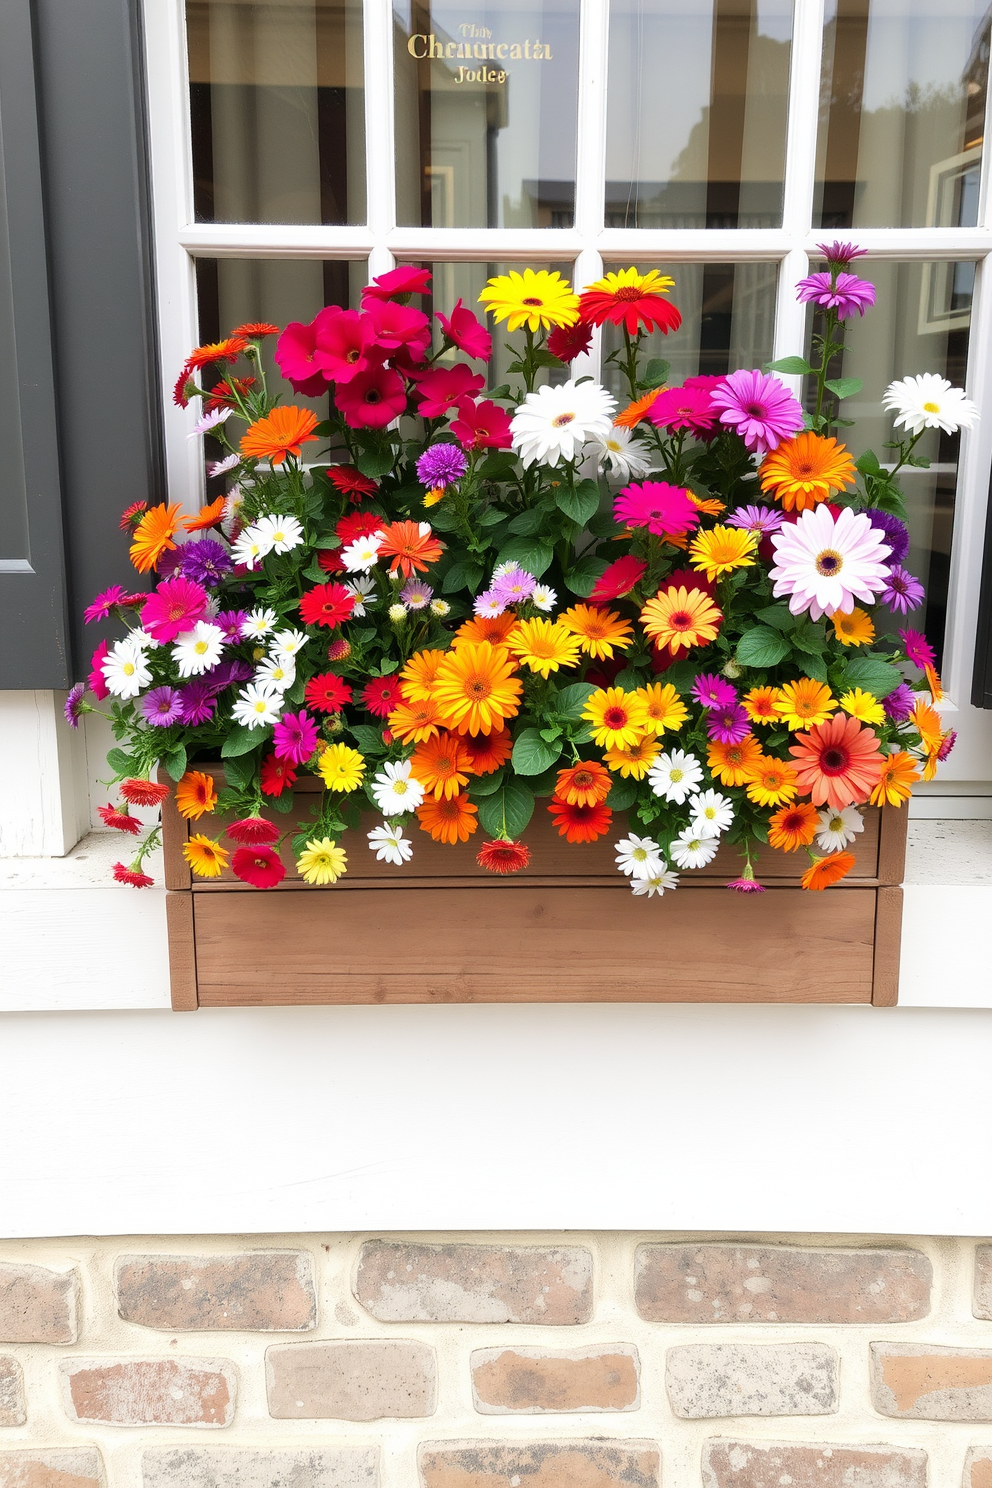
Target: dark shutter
[981,682]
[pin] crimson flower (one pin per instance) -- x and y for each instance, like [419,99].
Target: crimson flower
[261,867]
[354,525]
[143,792]
[121,821]
[343,346]
[327,693]
[253,831]
[275,775]
[327,604]
[467,332]
[619,578]
[503,857]
[132,516]
[330,560]
[222,393]
[381,695]
[568,342]
[481,425]
[350,481]
[405,280]
[373,398]
[440,390]
[132,876]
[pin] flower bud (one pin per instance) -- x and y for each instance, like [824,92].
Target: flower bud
[440,608]
[397,614]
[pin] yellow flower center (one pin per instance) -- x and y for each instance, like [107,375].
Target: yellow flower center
[639,854]
[676,775]
[128,668]
[931,407]
[200,647]
[399,787]
[260,706]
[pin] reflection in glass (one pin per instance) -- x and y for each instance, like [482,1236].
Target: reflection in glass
[277,110]
[697,107]
[902,111]
[486,98]
[728,321]
[913,328]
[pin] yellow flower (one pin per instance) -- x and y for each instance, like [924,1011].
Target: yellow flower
[722,549]
[206,857]
[770,781]
[863,705]
[853,627]
[322,861]
[633,760]
[664,708]
[803,703]
[543,645]
[475,688]
[598,630]
[760,704]
[536,298]
[618,718]
[341,767]
[434,495]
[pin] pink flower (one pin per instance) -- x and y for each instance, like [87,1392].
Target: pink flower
[841,254]
[657,506]
[296,354]
[95,681]
[294,737]
[684,408]
[441,390]
[759,408]
[845,293]
[400,326]
[405,280]
[481,425]
[176,605]
[918,649]
[344,344]
[104,603]
[373,398]
[467,332]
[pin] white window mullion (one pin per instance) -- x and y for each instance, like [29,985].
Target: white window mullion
[380,152]
[590,161]
[800,173]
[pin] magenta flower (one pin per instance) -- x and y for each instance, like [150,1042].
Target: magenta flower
[467,332]
[899,703]
[372,399]
[343,346]
[96,682]
[295,737]
[728,724]
[104,603]
[760,520]
[759,408]
[162,706]
[947,744]
[440,389]
[297,357]
[684,408]
[73,708]
[657,506]
[847,294]
[400,325]
[176,605]
[713,692]
[197,701]
[840,254]
[903,592]
[746,884]
[918,648]
[405,280]
[230,622]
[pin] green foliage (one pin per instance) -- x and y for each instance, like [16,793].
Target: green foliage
[532,754]
[508,810]
[761,647]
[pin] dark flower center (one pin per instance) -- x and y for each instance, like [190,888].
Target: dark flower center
[532,301]
[615,718]
[829,563]
[628,292]
[834,761]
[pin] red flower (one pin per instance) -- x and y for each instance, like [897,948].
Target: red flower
[441,389]
[327,604]
[467,332]
[619,578]
[358,524]
[132,876]
[372,399]
[275,775]
[261,867]
[130,518]
[643,303]
[568,342]
[580,823]
[222,393]
[405,280]
[255,330]
[330,560]
[253,831]
[185,387]
[327,693]
[381,695]
[481,425]
[503,857]
[350,481]
[121,821]
[143,792]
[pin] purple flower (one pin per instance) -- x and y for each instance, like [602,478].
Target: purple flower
[903,592]
[947,744]
[206,561]
[294,737]
[896,532]
[416,595]
[514,586]
[759,408]
[104,603]
[197,703]
[162,706]
[488,604]
[230,622]
[169,562]
[760,520]
[73,704]
[728,724]
[441,465]
[841,254]
[899,703]
[918,648]
[227,672]
[847,294]
[713,692]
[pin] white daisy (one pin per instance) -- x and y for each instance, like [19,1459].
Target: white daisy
[503,568]
[839,828]
[638,857]
[543,597]
[826,564]
[929,402]
[397,613]
[279,671]
[231,520]
[710,813]
[209,421]
[140,640]
[277,534]
[247,549]
[364,591]
[553,423]
[363,553]
[657,883]
[197,650]
[257,704]
[440,608]
[692,849]
[221,467]
[259,623]
[625,457]
[675,775]
[395,790]
[390,846]
[286,643]
[125,670]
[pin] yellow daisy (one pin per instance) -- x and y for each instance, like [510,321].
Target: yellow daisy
[322,861]
[664,708]
[341,767]
[618,718]
[802,704]
[598,630]
[853,627]
[863,705]
[543,645]
[537,298]
[205,856]
[720,550]
[633,760]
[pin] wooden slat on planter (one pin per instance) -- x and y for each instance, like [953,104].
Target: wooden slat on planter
[888,946]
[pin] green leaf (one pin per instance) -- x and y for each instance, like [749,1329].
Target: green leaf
[376,463]
[328,540]
[793,366]
[532,755]
[780,617]
[681,674]
[889,499]
[868,463]
[241,739]
[761,647]
[872,675]
[499,465]
[585,575]
[580,504]
[315,573]
[844,387]
[481,786]
[623,794]
[121,763]
[527,523]
[239,772]
[543,785]
[463,574]
[368,739]
[507,812]
[491,517]
[815,667]
[572,699]
[175,761]
[655,373]
[529,553]
[283,803]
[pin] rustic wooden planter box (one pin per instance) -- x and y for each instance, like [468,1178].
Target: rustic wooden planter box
[566,929]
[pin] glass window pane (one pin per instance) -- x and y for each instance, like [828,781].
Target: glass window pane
[902,109]
[728,321]
[697,101]
[486,112]
[277,108]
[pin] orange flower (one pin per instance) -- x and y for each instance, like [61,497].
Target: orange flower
[206,857]
[415,721]
[207,516]
[227,350]
[760,704]
[804,703]
[793,826]
[926,721]
[448,818]
[838,762]
[476,689]
[583,784]
[491,628]
[709,504]
[805,469]
[631,416]
[681,617]
[933,682]
[770,781]
[731,762]
[417,677]
[598,630]
[441,765]
[486,752]
[411,546]
[580,823]
[195,795]
[279,435]
[153,535]
[826,871]
[633,760]
[663,707]
[895,783]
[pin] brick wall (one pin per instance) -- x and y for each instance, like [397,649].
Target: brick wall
[460,1361]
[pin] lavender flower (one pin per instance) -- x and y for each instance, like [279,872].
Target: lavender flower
[513,586]
[847,294]
[416,595]
[841,254]
[197,702]
[896,532]
[899,703]
[73,704]
[759,408]
[229,671]
[205,562]
[760,520]
[488,604]
[713,692]
[903,592]
[162,706]
[728,724]
[441,465]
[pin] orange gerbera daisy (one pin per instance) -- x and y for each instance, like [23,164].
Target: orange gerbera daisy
[631,416]
[680,617]
[486,752]
[448,818]
[441,765]
[543,645]
[414,721]
[195,795]
[838,762]
[227,350]
[926,721]
[805,469]
[770,781]
[634,760]
[598,631]
[580,823]
[826,871]
[417,677]
[255,330]
[583,784]
[491,628]
[707,504]
[895,783]
[475,688]
[206,857]
[804,703]
[153,536]
[933,682]
[663,707]
[411,545]
[793,826]
[279,435]
[730,763]
[207,516]
[617,717]
[853,627]
[761,704]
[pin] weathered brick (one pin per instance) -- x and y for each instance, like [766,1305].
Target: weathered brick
[248,1467]
[982,1305]
[978,1468]
[742,1464]
[351,1380]
[37,1467]
[265,1291]
[560,1464]
[508,1381]
[37,1305]
[751,1379]
[12,1411]
[931,1383]
[780,1284]
[406,1283]
[151,1392]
